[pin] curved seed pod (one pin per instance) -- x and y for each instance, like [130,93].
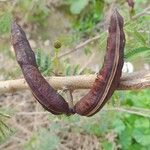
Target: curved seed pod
[43,92]
[109,76]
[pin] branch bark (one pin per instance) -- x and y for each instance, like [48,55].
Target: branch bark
[132,81]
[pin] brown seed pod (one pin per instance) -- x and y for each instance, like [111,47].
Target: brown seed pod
[43,92]
[108,77]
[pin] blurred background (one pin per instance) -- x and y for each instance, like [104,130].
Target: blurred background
[69,38]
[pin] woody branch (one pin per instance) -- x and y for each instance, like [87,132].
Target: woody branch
[133,81]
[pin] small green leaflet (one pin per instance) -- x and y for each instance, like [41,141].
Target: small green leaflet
[140,37]
[136,51]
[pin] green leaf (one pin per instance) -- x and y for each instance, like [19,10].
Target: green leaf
[5,131]
[43,61]
[137,146]
[142,123]
[5,22]
[142,136]
[118,126]
[140,37]
[99,5]
[136,51]
[46,63]
[138,99]
[76,68]
[125,139]
[38,57]
[68,70]
[78,5]
[107,145]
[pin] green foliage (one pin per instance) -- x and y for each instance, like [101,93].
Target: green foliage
[140,38]
[51,65]
[137,38]
[137,51]
[78,5]
[44,62]
[39,17]
[89,13]
[133,130]
[30,11]
[107,145]
[71,69]
[42,140]
[5,22]
[5,131]
[136,98]
[35,11]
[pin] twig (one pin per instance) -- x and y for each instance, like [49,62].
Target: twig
[80,46]
[128,111]
[133,81]
[141,13]
[139,109]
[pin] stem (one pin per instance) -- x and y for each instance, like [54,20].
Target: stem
[133,81]
[128,111]
[141,13]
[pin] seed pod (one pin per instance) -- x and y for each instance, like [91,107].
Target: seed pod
[43,92]
[108,77]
